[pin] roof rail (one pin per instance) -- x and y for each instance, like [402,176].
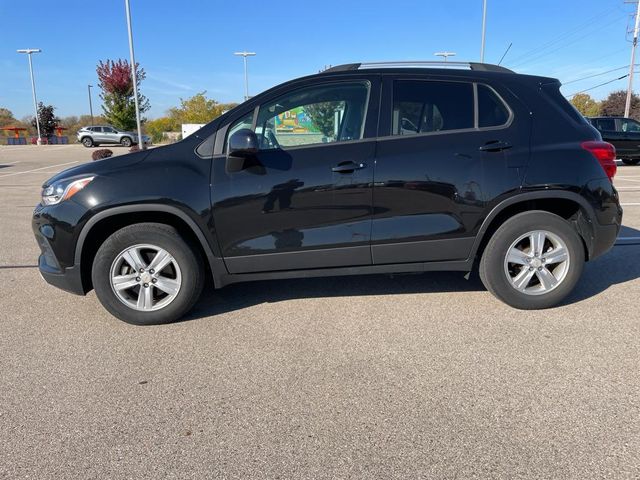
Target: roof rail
[479,67]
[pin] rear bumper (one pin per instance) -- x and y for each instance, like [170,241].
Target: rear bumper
[603,239]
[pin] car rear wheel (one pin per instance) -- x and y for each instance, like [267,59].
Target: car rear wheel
[87,142]
[147,274]
[631,161]
[125,142]
[533,261]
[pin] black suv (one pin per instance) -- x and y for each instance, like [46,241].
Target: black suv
[623,133]
[363,168]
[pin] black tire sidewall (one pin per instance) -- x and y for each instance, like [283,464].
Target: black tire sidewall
[492,262]
[165,237]
[631,161]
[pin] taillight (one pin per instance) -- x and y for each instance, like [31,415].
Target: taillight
[605,153]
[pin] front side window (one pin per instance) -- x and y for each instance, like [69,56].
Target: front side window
[243,122]
[314,115]
[630,126]
[426,106]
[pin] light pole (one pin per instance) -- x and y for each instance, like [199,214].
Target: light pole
[90,106]
[445,55]
[134,78]
[29,51]
[484,29]
[244,56]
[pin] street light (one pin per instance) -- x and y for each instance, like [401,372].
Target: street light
[445,55]
[484,29]
[134,78]
[90,106]
[29,51]
[244,56]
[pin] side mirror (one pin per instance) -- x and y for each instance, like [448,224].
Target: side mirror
[243,145]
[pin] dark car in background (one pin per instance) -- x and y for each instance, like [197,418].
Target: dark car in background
[623,133]
[363,168]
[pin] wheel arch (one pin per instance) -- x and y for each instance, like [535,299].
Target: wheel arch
[568,205]
[104,223]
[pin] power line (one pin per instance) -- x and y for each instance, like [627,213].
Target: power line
[564,35]
[599,85]
[597,74]
[564,45]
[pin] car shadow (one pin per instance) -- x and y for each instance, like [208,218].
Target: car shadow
[620,265]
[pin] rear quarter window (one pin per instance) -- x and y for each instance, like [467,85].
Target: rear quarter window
[552,92]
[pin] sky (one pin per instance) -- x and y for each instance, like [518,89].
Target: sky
[187,47]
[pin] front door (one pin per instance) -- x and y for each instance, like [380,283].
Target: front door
[304,201]
[629,146]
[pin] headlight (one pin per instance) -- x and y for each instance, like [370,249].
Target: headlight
[63,190]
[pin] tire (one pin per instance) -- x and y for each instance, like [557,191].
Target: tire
[182,274]
[500,276]
[87,142]
[631,161]
[126,142]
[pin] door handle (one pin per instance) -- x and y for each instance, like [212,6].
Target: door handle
[495,146]
[348,167]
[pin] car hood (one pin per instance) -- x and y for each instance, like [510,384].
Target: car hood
[99,167]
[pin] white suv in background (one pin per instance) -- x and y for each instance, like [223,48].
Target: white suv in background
[95,135]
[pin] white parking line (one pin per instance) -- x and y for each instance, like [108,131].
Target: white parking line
[627,179]
[37,169]
[630,204]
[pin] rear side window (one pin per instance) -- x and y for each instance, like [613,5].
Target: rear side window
[492,112]
[606,124]
[426,106]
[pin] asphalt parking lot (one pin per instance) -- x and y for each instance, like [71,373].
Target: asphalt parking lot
[420,376]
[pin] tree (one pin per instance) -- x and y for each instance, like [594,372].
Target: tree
[198,109]
[157,127]
[6,117]
[586,105]
[115,81]
[323,116]
[47,119]
[613,105]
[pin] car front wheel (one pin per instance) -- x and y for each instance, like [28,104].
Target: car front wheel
[533,260]
[147,274]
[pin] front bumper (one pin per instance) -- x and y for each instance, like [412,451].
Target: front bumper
[67,279]
[52,269]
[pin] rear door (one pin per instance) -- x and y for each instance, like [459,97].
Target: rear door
[305,200]
[448,148]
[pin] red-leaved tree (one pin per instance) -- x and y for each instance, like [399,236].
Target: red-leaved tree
[117,93]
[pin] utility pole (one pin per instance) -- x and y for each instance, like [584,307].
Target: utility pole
[30,51]
[90,106]
[484,29]
[244,56]
[627,105]
[134,77]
